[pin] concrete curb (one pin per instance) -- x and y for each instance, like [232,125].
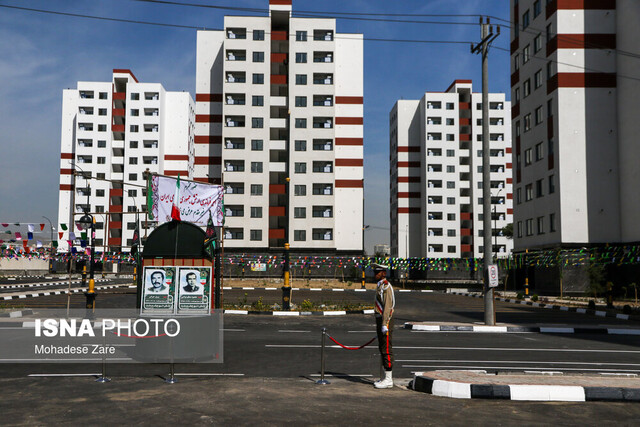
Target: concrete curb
[61,292]
[564,393]
[20,313]
[252,288]
[599,313]
[299,313]
[520,329]
[36,285]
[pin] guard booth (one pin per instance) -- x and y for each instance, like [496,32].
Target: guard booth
[176,280]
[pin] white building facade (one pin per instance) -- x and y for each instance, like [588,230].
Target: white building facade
[436,174]
[279,122]
[112,132]
[574,92]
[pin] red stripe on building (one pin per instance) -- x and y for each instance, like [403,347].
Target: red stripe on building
[115,192]
[509,180]
[349,183]
[515,111]
[349,99]
[208,97]
[125,71]
[408,149]
[278,57]
[280,2]
[280,35]
[176,157]
[276,233]
[278,79]
[408,164]
[581,80]
[514,44]
[208,139]
[208,118]
[408,210]
[509,211]
[176,173]
[66,187]
[455,82]
[509,196]
[515,77]
[408,195]
[349,120]
[408,179]
[276,211]
[210,180]
[581,41]
[349,141]
[207,160]
[348,162]
[556,5]
[66,155]
[508,150]
[66,171]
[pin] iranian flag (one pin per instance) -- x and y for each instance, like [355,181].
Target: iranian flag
[175,209]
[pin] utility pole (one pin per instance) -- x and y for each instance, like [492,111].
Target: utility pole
[482,47]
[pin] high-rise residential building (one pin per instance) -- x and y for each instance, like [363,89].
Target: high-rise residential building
[574,89]
[112,132]
[436,174]
[279,122]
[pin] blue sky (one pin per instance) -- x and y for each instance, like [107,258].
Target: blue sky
[42,54]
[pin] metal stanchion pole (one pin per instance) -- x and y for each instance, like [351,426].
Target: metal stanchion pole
[172,373]
[322,380]
[103,378]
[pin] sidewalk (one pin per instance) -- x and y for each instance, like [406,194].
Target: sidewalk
[501,328]
[539,386]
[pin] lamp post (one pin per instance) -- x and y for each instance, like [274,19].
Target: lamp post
[88,223]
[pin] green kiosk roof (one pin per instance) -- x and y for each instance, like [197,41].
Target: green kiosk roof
[161,243]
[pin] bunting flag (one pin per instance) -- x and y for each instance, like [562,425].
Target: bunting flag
[25,243]
[79,226]
[41,227]
[31,228]
[18,235]
[64,227]
[210,237]
[38,244]
[29,235]
[175,208]
[5,225]
[60,234]
[72,235]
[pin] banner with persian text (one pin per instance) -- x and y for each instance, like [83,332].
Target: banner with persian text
[196,200]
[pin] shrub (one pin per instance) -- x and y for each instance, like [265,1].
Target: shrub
[306,305]
[534,297]
[592,305]
[519,295]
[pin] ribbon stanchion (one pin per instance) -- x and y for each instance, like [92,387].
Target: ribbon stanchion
[351,348]
[325,334]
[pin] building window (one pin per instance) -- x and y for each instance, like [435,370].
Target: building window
[450,122]
[519,227]
[525,54]
[299,235]
[528,192]
[322,189]
[450,106]
[539,184]
[257,100]
[528,157]
[518,196]
[256,167]
[537,79]
[451,217]
[257,122]
[299,190]
[258,56]
[102,111]
[300,167]
[258,34]
[537,43]
[537,8]
[301,101]
[103,95]
[99,193]
[549,70]
[132,193]
[236,188]
[256,212]
[539,151]
[527,122]
[301,79]
[301,57]
[550,147]
[451,233]
[538,115]
[526,88]
[258,79]
[133,160]
[301,36]
[516,95]
[525,20]
[234,234]
[301,145]
[322,212]
[301,123]
[256,189]
[256,144]
[135,96]
[529,225]
[102,128]
[299,212]
[322,144]
[451,153]
[102,160]
[451,200]
[552,222]
[102,144]
[255,235]
[451,169]
[133,177]
[552,184]
[540,221]
[451,184]
[133,128]
[322,234]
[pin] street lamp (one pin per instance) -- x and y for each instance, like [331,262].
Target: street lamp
[87,222]
[51,228]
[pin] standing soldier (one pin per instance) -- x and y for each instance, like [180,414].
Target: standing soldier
[384,304]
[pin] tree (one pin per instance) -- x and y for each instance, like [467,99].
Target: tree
[507,231]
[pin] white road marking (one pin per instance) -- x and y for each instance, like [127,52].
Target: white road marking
[63,375]
[362,332]
[519,361]
[563,350]
[341,375]
[208,374]
[234,330]
[291,331]
[507,367]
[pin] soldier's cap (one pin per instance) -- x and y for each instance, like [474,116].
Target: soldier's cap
[379,267]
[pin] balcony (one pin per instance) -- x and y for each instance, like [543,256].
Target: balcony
[277,189]
[322,56]
[276,233]
[323,35]
[279,58]
[277,145]
[234,121]
[235,99]
[322,100]
[279,35]
[322,79]
[236,33]
[277,211]
[278,79]
[119,96]
[236,77]
[323,123]
[277,167]
[278,101]
[275,123]
[236,55]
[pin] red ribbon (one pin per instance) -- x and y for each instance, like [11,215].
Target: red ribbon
[351,348]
